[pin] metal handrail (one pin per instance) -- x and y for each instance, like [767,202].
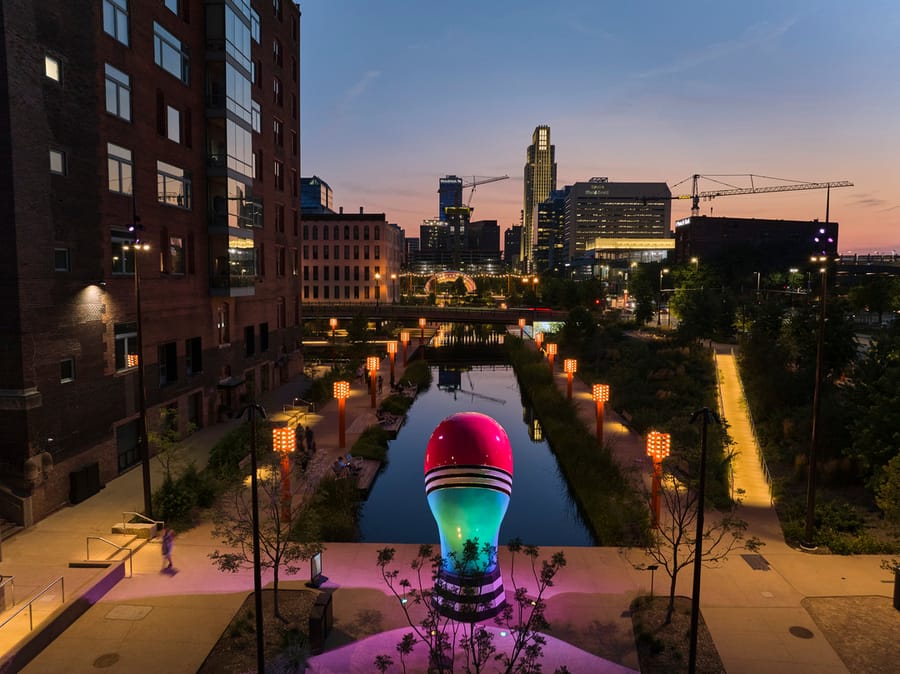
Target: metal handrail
[118,548]
[9,580]
[28,605]
[310,407]
[159,523]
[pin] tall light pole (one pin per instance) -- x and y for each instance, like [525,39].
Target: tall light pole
[392,352]
[662,272]
[393,289]
[372,367]
[706,415]
[404,339]
[143,444]
[422,322]
[809,535]
[341,391]
[254,410]
[521,328]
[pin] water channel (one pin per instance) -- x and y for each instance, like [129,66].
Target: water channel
[540,509]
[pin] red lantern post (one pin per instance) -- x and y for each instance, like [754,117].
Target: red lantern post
[551,354]
[539,339]
[422,323]
[658,445]
[404,339]
[570,366]
[342,392]
[521,328]
[392,352]
[372,367]
[600,393]
[284,441]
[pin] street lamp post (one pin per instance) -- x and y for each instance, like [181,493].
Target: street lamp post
[658,446]
[372,367]
[521,328]
[570,366]
[143,443]
[377,288]
[253,411]
[392,352]
[404,339]
[422,322]
[538,339]
[705,414]
[662,272]
[333,323]
[393,289]
[600,393]
[341,391]
[809,542]
[551,354]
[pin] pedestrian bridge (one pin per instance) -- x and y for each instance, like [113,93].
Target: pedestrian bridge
[432,314]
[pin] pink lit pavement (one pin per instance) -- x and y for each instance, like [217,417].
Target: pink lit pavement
[155,622]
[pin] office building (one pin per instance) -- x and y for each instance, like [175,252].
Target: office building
[540,180]
[777,244]
[450,190]
[550,253]
[175,123]
[512,246]
[611,220]
[316,196]
[483,235]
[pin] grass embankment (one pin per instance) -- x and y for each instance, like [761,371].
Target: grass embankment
[612,511]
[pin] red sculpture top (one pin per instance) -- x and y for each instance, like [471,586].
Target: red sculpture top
[470,439]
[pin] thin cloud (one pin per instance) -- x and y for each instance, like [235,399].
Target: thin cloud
[755,35]
[868,201]
[356,91]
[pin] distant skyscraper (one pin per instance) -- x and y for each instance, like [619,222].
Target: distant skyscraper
[540,179]
[512,245]
[549,245]
[316,196]
[450,189]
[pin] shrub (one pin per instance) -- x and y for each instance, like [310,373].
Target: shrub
[372,444]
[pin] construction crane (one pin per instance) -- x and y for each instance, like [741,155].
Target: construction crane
[730,190]
[475,181]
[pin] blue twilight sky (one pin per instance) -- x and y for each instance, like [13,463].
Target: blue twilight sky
[395,94]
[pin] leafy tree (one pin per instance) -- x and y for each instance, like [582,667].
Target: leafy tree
[643,290]
[877,294]
[523,619]
[233,526]
[165,446]
[673,544]
[358,330]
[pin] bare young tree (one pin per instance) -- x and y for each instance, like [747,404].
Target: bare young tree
[673,543]
[233,525]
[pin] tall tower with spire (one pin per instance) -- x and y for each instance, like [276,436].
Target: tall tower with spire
[540,180]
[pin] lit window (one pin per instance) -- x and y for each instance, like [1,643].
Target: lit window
[126,345]
[115,19]
[58,162]
[118,93]
[173,124]
[52,68]
[120,166]
[173,185]
[67,370]
[169,54]
[176,255]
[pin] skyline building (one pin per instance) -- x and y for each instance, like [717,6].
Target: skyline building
[512,245]
[550,246]
[316,196]
[171,124]
[450,193]
[540,180]
[617,220]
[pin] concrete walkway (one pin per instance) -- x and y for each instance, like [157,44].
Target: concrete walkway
[158,622]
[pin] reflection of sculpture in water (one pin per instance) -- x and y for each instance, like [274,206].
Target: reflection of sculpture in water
[468,481]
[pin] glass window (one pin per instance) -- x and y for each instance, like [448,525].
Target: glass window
[118,93]
[237,37]
[278,169]
[276,51]
[51,68]
[254,25]
[176,255]
[173,186]
[61,261]
[115,19]
[122,253]
[172,6]
[173,124]
[193,356]
[167,363]
[120,166]
[278,132]
[256,116]
[126,345]
[67,370]
[277,93]
[170,55]
[58,162]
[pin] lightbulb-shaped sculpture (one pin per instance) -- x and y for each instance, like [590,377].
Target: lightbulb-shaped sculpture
[468,481]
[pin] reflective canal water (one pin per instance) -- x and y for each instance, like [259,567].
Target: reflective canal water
[540,510]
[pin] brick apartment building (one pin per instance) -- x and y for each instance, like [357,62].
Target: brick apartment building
[175,122]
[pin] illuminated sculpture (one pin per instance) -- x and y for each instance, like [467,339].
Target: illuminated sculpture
[468,480]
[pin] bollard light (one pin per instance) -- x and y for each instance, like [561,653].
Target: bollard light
[372,367]
[341,393]
[551,354]
[422,323]
[538,339]
[521,328]
[570,366]
[658,447]
[333,322]
[284,441]
[600,394]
